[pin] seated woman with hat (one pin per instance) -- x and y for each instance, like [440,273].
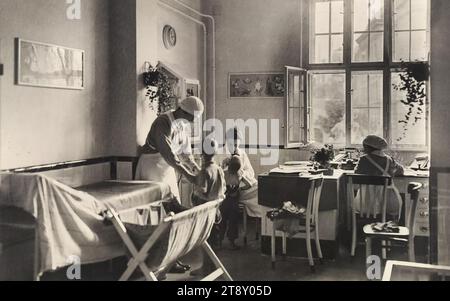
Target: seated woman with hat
[376,163]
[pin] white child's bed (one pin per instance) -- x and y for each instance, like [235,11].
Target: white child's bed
[69,221]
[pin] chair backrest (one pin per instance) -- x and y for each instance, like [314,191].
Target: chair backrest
[371,196]
[414,192]
[314,195]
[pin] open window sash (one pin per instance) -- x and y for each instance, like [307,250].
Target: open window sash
[296,107]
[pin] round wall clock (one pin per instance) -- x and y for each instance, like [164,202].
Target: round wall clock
[169,37]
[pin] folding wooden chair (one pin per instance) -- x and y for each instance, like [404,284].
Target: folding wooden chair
[186,231]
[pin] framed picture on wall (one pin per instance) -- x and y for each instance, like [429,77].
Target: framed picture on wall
[46,65]
[193,88]
[256,85]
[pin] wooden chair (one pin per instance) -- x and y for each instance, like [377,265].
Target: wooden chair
[197,222]
[406,235]
[368,205]
[309,224]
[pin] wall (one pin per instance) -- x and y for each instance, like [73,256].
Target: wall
[41,125]
[254,36]
[186,58]
[123,77]
[440,123]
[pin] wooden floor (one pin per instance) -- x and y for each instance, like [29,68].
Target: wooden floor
[246,264]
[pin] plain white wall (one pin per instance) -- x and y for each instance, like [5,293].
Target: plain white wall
[42,125]
[254,36]
[186,58]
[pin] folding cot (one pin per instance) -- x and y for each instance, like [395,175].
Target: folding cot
[174,237]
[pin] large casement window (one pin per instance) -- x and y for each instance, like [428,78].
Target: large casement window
[353,52]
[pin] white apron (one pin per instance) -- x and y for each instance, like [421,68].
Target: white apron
[153,167]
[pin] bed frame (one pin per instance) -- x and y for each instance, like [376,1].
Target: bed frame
[113,161]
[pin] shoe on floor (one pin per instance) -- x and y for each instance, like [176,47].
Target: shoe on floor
[178,269]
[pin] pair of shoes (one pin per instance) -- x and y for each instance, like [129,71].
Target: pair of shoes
[179,268]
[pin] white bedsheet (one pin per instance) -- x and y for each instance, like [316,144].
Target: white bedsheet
[68,221]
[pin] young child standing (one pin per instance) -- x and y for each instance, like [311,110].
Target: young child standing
[209,186]
[230,207]
[210,182]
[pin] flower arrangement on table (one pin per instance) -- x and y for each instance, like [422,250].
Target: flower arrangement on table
[323,156]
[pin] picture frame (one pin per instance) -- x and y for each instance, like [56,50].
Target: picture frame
[192,87]
[49,66]
[256,85]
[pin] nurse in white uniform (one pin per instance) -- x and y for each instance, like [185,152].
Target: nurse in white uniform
[167,150]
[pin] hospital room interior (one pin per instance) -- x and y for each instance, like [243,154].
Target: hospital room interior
[224,140]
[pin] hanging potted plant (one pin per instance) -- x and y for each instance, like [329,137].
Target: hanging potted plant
[159,88]
[413,84]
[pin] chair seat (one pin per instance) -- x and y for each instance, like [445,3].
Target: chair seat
[403,233]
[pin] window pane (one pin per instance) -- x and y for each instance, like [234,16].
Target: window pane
[360,15]
[337,16]
[294,123]
[419,12]
[326,39]
[294,91]
[322,49]
[419,47]
[368,27]
[376,90]
[337,48]
[412,133]
[360,90]
[360,125]
[401,15]
[328,108]
[376,122]
[411,25]
[361,47]
[376,46]
[376,15]
[322,16]
[367,108]
[401,50]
